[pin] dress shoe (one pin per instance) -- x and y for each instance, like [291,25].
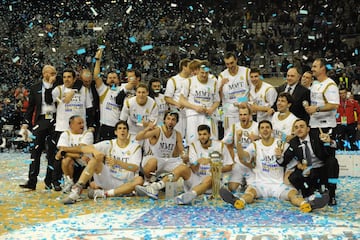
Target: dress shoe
[57,188]
[332,201]
[48,186]
[27,185]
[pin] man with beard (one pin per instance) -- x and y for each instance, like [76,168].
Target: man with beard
[160,99]
[164,144]
[197,177]
[264,155]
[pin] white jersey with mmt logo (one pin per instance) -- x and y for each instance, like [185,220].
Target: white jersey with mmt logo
[109,109]
[264,97]
[282,128]
[235,90]
[134,113]
[266,170]
[129,154]
[77,106]
[165,146]
[231,136]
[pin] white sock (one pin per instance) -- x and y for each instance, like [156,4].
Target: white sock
[110,193]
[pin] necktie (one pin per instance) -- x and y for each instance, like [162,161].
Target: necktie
[288,90]
[307,153]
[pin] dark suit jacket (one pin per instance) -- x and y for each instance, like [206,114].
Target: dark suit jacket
[35,101]
[300,94]
[295,151]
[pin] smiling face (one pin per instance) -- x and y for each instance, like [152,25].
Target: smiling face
[282,104]
[231,64]
[292,76]
[77,125]
[141,95]
[255,79]
[203,75]
[301,129]
[204,137]
[69,79]
[265,130]
[306,79]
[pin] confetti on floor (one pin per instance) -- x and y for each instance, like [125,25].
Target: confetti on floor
[40,215]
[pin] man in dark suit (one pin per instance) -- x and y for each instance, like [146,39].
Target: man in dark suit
[40,117]
[312,157]
[300,94]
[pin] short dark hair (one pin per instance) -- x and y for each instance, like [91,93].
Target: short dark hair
[203,127]
[122,122]
[70,71]
[265,121]
[172,113]
[288,97]
[229,55]
[255,70]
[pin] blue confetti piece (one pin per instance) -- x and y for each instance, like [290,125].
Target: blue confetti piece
[333,180]
[337,115]
[102,46]
[51,167]
[261,77]
[80,51]
[191,8]
[274,15]
[289,66]
[329,66]
[146,47]
[50,34]
[129,67]
[356,52]
[132,39]
[242,99]
[31,25]
[346,144]
[117,71]
[28,161]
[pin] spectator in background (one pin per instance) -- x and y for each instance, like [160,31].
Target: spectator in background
[355,90]
[348,120]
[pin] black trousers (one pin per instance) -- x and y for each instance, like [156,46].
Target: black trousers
[44,139]
[309,184]
[106,133]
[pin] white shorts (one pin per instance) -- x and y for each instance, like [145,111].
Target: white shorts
[193,181]
[192,124]
[107,181]
[269,190]
[163,164]
[239,172]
